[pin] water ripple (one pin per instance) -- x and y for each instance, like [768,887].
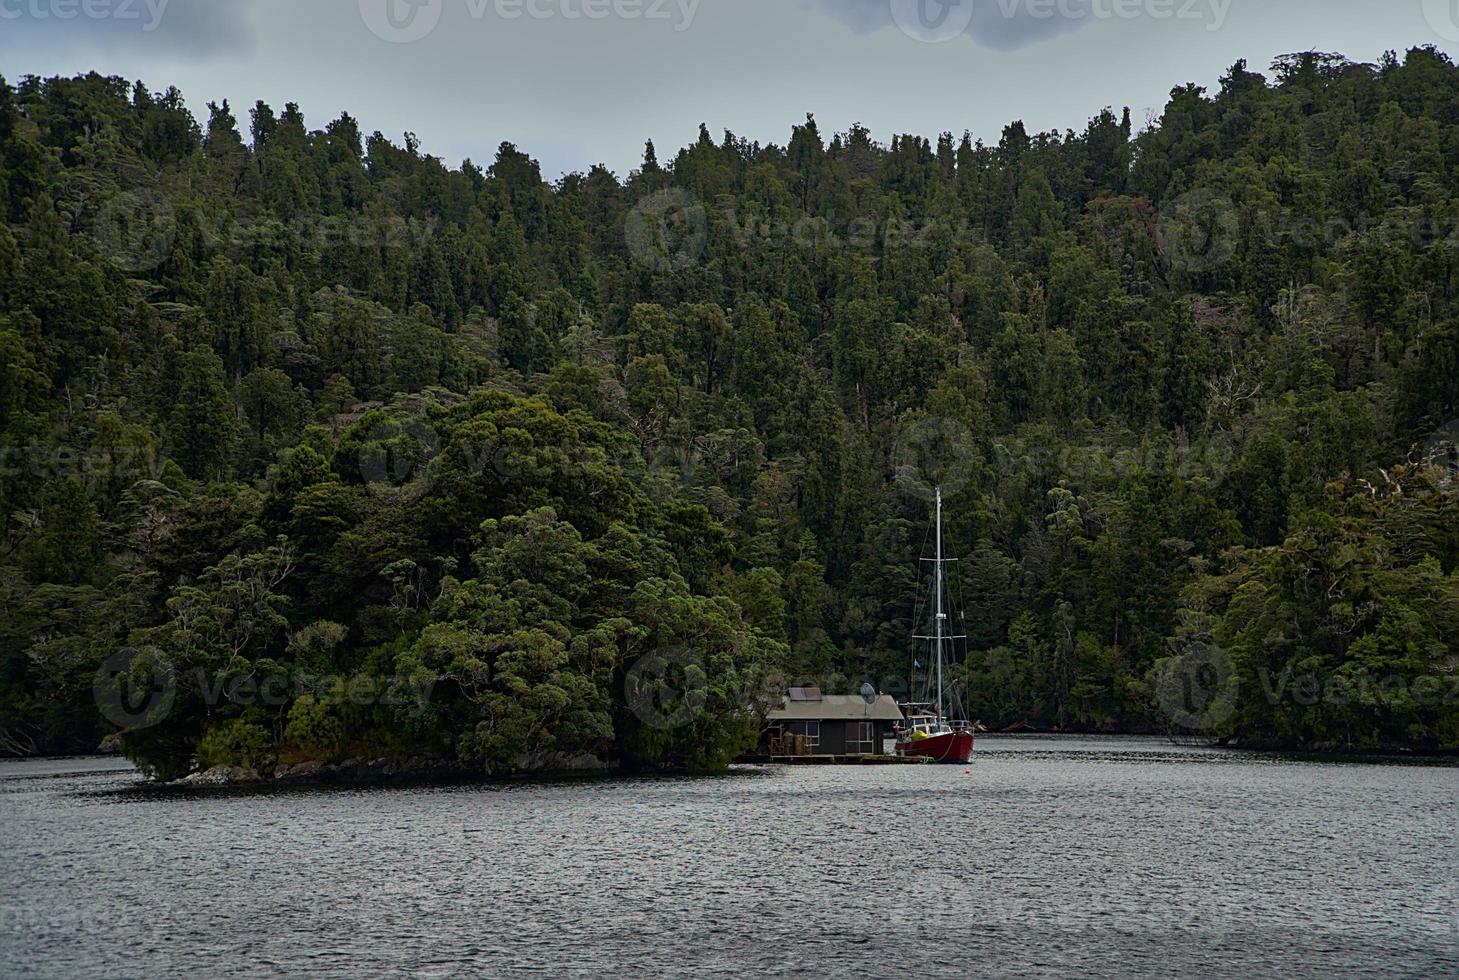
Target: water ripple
[1102,857]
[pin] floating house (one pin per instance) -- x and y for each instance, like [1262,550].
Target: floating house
[809,723]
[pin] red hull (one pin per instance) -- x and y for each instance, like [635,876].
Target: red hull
[952,748]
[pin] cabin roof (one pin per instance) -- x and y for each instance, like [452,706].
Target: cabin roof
[838,707]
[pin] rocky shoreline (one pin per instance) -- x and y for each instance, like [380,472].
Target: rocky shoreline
[373,771]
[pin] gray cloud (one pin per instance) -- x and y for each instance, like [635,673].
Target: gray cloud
[1002,25]
[197,29]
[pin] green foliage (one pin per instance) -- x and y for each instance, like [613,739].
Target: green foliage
[237,743]
[314,730]
[1345,633]
[203,421]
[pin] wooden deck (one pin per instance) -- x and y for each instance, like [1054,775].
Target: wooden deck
[835,760]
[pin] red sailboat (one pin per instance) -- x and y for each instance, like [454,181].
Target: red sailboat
[929,731]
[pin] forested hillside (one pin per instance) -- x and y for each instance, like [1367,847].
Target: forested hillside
[503,467]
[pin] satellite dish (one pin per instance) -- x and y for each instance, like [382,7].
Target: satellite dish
[868,693]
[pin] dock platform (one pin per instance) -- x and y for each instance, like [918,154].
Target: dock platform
[835,760]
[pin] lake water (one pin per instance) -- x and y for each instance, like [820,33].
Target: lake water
[1052,857]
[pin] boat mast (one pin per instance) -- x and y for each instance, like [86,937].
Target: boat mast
[940,614]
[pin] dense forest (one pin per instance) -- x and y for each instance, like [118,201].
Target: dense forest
[332,451]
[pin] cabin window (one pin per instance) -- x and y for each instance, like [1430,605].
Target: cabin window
[860,738]
[810,729]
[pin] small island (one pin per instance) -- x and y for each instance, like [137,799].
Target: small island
[323,456]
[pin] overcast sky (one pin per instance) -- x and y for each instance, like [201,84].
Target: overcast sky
[576,82]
